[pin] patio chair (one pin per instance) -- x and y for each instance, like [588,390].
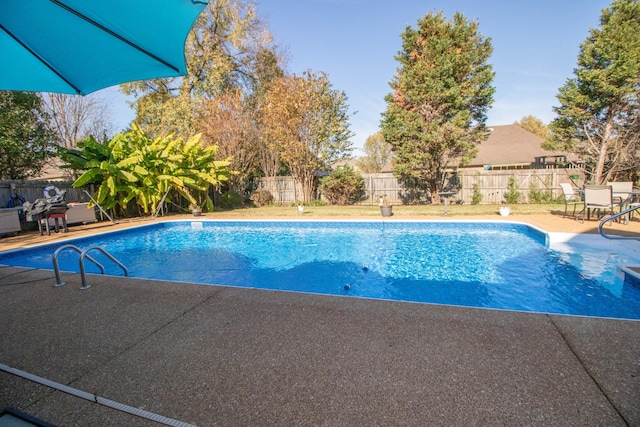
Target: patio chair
[632,201]
[633,205]
[570,198]
[622,192]
[597,197]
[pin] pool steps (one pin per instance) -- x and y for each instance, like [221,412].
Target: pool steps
[630,275]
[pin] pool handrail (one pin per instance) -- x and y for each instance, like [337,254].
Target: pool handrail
[84,255]
[613,218]
[56,268]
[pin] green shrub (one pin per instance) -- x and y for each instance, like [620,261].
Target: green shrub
[317,202]
[261,197]
[538,196]
[476,197]
[512,195]
[343,186]
[230,200]
[314,202]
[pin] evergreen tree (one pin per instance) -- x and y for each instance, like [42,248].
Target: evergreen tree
[598,116]
[436,113]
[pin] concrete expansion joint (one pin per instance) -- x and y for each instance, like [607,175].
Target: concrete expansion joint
[586,369]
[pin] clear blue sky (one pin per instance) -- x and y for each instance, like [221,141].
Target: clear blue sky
[535,47]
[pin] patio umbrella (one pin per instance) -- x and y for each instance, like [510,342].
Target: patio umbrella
[80,46]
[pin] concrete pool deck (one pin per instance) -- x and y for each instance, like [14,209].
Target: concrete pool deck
[209,355]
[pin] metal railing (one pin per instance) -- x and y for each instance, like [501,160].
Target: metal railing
[56,268]
[613,218]
[84,254]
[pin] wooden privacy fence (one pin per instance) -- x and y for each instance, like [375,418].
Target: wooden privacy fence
[283,188]
[32,190]
[491,185]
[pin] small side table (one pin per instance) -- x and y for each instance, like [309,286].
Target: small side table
[445,195]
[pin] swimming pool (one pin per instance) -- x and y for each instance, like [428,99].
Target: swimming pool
[498,265]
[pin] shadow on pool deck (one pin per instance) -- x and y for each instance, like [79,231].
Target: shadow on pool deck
[211,355]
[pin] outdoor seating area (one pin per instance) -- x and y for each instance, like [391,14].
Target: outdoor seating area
[46,211]
[600,200]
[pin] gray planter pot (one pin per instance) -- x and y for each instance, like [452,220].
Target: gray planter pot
[386,210]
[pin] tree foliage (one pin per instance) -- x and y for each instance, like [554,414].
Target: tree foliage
[267,69]
[25,142]
[134,167]
[377,154]
[222,53]
[436,113]
[534,125]
[306,121]
[235,80]
[228,123]
[231,61]
[233,122]
[598,117]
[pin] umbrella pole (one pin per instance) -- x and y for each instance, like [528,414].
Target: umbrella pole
[99,207]
[161,204]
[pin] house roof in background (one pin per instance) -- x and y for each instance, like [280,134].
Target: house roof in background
[510,144]
[52,171]
[506,145]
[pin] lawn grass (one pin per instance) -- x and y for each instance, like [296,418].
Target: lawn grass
[403,211]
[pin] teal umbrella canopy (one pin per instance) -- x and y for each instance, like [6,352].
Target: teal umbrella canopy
[80,46]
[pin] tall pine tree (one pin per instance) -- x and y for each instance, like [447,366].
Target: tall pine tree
[598,117]
[436,113]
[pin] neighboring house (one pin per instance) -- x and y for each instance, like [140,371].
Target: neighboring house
[353,163]
[511,147]
[52,171]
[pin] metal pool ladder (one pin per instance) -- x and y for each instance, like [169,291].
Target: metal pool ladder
[625,214]
[84,254]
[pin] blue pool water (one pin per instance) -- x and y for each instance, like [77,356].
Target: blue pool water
[489,265]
